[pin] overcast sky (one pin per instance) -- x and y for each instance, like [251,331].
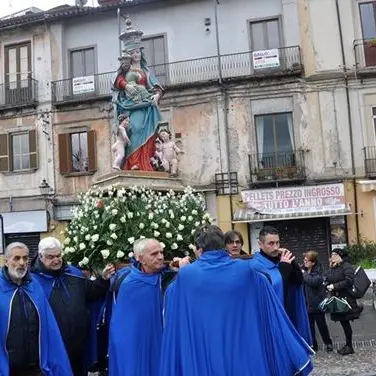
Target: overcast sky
[11,6]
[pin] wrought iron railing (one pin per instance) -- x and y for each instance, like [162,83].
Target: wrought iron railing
[365,53]
[19,93]
[181,73]
[277,166]
[370,160]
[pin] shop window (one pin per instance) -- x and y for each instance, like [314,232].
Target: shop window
[275,140]
[77,152]
[18,151]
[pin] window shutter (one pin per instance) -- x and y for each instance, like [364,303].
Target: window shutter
[91,151]
[4,153]
[65,158]
[33,151]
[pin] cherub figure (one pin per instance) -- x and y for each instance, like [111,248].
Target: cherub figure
[122,140]
[167,152]
[136,92]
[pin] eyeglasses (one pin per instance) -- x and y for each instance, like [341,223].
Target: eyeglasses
[234,242]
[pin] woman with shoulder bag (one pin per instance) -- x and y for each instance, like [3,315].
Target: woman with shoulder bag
[340,280]
[315,293]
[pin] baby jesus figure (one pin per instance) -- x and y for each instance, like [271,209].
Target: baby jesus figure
[122,140]
[138,93]
[167,152]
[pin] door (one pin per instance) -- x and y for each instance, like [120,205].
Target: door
[18,83]
[155,52]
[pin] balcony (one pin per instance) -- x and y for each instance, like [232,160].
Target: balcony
[277,167]
[370,161]
[280,62]
[17,94]
[365,56]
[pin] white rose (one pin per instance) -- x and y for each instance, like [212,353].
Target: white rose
[172,215]
[193,231]
[181,227]
[114,236]
[123,219]
[190,218]
[192,247]
[82,246]
[131,240]
[109,242]
[95,227]
[183,218]
[105,253]
[112,226]
[151,215]
[120,254]
[163,245]
[174,246]
[84,261]
[95,238]
[168,235]
[167,224]
[87,237]
[75,239]
[67,241]
[194,212]
[179,238]
[141,226]
[163,220]
[142,237]
[156,234]
[197,224]
[130,215]
[130,254]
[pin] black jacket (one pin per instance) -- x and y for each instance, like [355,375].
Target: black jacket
[342,278]
[69,300]
[22,341]
[314,288]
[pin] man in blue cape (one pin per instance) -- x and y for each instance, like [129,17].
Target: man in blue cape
[31,344]
[286,277]
[223,318]
[75,301]
[137,320]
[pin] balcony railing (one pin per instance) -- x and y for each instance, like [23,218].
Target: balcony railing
[19,93]
[370,161]
[276,167]
[288,62]
[365,54]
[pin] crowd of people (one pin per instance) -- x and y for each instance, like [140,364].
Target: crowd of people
[219,315]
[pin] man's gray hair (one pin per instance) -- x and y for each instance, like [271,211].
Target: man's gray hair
[11,246]
[49,243]
[140,245]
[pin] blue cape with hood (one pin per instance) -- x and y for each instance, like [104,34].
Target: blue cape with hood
[223,318]
[53,357]
[136,326]
[48,282]
[293,300]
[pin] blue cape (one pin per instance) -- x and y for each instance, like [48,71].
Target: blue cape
[48,282]
[224,319]
[293,301]
[53,357]
[136,326]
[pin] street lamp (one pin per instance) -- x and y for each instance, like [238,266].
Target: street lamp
[45,188]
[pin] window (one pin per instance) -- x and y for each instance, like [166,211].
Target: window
[82,62]
[77,152]
[18,151]
[275,140]
[155,52]
[367,18]
[265,35]
[18,73]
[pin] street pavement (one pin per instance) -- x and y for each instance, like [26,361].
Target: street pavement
[363,362]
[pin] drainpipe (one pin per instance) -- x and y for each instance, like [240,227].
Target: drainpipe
[226,108]
[349,114]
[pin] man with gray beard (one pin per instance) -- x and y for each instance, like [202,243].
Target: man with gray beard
[30,343]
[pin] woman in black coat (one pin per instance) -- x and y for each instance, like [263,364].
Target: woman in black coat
[340,280]
[315,293]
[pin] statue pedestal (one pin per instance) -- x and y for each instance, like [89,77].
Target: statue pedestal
[160,181]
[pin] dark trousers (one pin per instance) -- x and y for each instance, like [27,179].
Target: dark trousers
[26,372]
[77,365]
[348,332]
[319,319]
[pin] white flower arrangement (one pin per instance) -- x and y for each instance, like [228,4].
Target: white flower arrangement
[108,221]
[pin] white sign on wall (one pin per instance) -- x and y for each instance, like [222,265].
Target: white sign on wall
[266,59]
[83,85]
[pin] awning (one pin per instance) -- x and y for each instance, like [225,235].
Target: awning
[367,185]
[246,215]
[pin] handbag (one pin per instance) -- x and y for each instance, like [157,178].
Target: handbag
[361,283]
[335,305]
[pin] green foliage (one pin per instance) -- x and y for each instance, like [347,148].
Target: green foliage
[363,253]
[367,264]
[108,222]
